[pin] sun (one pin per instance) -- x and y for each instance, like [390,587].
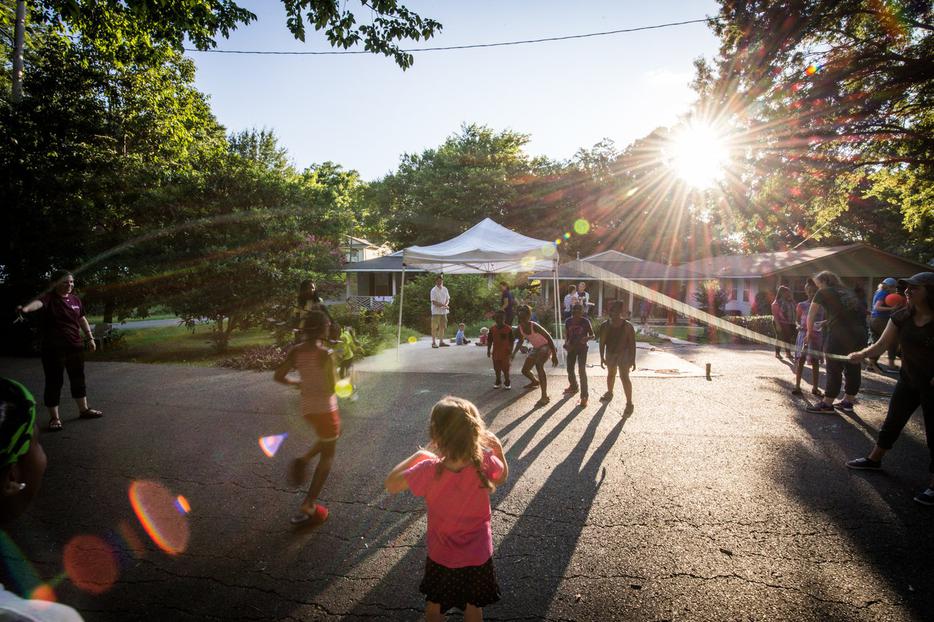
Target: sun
[699,155]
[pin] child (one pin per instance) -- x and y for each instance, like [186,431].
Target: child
[456,479]
[578,330]
[484,336]
[808,349]
[499,347]
[319,408]
[459,338]
[618,351]
[542,345]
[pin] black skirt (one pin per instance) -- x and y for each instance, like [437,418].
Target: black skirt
[458,587]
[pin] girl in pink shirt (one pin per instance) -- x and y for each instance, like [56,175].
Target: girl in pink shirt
[456,480]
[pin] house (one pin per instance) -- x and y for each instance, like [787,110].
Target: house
[373,283]
[356,249]
[860,266]
[674,281]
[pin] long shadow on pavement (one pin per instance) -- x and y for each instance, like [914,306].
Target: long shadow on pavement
[872,512]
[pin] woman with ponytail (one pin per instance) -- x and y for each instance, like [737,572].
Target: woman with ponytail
[464,464]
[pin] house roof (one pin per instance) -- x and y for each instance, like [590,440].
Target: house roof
[611,256]
[629,267]
[386,263]
[851,260]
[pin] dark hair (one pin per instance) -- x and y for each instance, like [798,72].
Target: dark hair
[827,278]
[315,323]
[524,309]
[499,313]
[304,296]
[577,307]
[59,276]
[616,306]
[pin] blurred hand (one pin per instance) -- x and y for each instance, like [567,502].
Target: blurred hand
[856,357]
[92,345]
[602,363]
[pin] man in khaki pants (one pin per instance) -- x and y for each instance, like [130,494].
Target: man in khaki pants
[440,301]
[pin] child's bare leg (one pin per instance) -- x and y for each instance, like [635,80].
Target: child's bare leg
[497,368]
[815,376]
[627,383]
[322,470]
[799,369]
[610,378]
[542,377]
[433,612]
[527,369]
[473,614]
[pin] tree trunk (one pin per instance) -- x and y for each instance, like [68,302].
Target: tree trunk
[109,306]
[18,44]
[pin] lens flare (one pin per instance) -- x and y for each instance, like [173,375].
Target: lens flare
[271,444]
[527,263]
[44,592]
[632,191]
[699,155]
[182,505]
[567,235]
[343,387]
[131,540]
[535,283]
[548,250]
[413,339]
[155,508]
[811,69]
[90,564]
[581,226]
[557,241]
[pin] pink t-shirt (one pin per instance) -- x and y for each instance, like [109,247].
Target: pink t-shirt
[459,532]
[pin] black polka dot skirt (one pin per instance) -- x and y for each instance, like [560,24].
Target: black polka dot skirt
[456,587]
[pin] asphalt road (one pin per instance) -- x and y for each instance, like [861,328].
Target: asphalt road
[714,500]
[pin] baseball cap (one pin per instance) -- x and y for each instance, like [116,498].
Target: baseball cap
[889,282]
[922,278]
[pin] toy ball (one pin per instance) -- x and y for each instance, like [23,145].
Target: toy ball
[894,300]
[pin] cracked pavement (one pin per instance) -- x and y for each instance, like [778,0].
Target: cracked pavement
[714,500]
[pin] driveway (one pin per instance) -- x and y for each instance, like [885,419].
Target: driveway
[715,500]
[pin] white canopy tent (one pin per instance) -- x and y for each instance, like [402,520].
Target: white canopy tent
[485,248]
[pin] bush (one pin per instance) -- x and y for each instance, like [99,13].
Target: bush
[259,358]
[711,299]
[472,298]
[762,324]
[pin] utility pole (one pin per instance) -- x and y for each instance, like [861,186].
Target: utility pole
[18,43]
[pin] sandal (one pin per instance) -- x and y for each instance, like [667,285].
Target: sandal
[90,413]
[304,519]
[55,425]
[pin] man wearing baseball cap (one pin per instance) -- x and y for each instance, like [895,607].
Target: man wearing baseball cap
[880,315]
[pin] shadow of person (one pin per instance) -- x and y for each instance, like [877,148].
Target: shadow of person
[538,549]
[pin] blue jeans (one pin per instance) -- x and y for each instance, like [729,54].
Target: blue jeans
[578,355]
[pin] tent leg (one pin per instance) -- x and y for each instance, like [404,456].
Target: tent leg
[401,301]
[557,306]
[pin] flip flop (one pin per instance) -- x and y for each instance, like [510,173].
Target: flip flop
[90,413]
[304,519]
[55,425]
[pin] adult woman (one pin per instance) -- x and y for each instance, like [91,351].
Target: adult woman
[913,329]
[845,331]
[783,314]
[62,321]
[22,465]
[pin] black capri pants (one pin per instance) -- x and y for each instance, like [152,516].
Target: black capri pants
[55,362]
[905,400]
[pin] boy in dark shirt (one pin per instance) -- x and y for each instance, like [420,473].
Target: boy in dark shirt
[499,348]
[578,331]
[618,351]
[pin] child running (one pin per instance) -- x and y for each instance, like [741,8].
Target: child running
[805,348]
[499,348]
[578,330]
[456,478]
[542,344]
[315,367]
[618,351]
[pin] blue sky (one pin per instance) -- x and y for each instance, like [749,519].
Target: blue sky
[363,112]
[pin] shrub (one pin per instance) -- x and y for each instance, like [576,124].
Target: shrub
[472,297]
[259,358]
[711,298]
[762,324]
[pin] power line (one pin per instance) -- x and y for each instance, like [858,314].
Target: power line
[458,47]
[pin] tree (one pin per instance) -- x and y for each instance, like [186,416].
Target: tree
[130,29]
[830,103]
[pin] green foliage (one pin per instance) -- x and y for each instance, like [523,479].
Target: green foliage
[711,298]
[762,324]
[133,30]
[830,105]
[472,299]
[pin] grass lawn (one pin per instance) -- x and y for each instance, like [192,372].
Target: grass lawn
[179,345]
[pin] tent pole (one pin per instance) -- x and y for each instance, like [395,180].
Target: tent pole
[401,300]
[554,272]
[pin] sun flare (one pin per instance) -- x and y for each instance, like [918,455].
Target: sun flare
[699,155]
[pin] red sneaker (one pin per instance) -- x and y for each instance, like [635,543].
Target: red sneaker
[304,519]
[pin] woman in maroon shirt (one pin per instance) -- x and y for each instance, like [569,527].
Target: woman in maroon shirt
[61,323]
